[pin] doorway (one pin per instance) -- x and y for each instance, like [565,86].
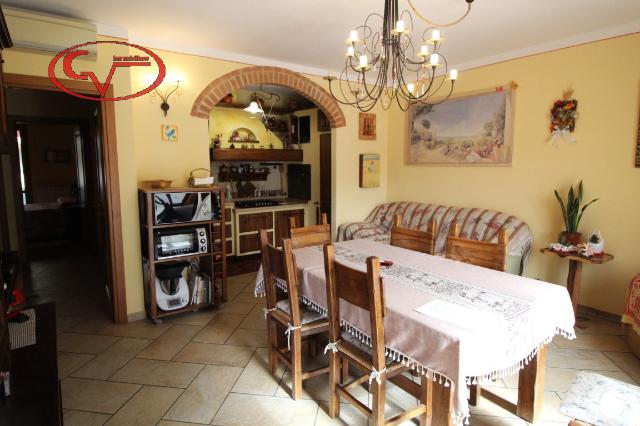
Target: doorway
[69,226]
[325,174]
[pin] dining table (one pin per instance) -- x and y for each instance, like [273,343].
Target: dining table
[456,323]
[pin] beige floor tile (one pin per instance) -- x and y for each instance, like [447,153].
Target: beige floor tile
[349,415]
[204,396]
[169,343]
[478,420]
[96,395]
[69,362]
[559,379]
[550,406]
[256,377]
[174,423]
[596,342]
[111,360]
[251,410]
[65,323]
[84,418]
[599,327]
[255,319]
[90,326]
[580,359]
[248,337]
[201,317]
[157,373]
[143,329]
[627,362]
[234,307]
[219,328]
[248,297]
[205,353]
[146,408]
[84,343]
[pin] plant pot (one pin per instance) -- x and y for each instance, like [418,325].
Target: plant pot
[572,238]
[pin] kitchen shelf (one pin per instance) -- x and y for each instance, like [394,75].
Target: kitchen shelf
[236,154]
[244,176]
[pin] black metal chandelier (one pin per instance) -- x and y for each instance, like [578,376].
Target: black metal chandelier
[386,64]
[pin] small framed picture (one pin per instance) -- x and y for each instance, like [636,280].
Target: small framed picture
[367,128]
[169,132]
[369,170]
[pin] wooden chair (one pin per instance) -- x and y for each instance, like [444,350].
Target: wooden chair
[479,253]
[284,311]
[412,239]
[309,235]
[364,290]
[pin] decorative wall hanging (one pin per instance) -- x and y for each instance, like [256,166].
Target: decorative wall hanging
[470,129]
[367,128]
[169,132]
[638,144]
[563,118]
[369,170]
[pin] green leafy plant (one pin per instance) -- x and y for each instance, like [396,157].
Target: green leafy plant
[571,212]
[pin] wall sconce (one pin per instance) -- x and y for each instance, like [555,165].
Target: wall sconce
[164,96]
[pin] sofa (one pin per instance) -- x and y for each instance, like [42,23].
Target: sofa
[476,224]
[631,315]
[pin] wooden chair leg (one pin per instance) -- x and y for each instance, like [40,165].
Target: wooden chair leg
[272,337]
[441,403]
[377,408]
[425,398]
[344,371]
[474,394]
[531,387]
[296,364]
[334,377]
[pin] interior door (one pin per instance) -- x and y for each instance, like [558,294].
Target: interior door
[325,174]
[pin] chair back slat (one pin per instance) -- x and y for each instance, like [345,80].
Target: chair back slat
[309,235]
[413,239]
[362,289]
[479,253]
[280,264]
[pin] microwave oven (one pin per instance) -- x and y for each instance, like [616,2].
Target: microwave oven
[180,207]
[172,243]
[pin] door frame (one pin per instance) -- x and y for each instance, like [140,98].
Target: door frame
[111,179]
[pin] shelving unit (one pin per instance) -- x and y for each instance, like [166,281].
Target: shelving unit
[213,262]
[239,154]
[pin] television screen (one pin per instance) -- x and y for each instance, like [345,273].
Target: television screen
[304,127]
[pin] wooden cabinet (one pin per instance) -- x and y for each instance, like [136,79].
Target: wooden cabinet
[229,232]
[237,154]
[282,223]
[275,220]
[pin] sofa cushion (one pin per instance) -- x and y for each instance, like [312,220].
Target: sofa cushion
[476,224]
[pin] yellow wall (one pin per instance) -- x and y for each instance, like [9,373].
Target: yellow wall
[225,120]
[142,155]
[605,76]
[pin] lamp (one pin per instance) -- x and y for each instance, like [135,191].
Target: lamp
[254,108]
[386,65]
[164,96]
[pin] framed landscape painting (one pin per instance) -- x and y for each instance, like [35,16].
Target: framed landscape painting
[470,129]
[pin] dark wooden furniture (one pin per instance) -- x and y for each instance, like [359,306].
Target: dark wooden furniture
[411,239]
[35,388]
[275,222]
[364,290]
[325,173]
[230,154]
[574,279]
[309,235]
[287,312]
[213,262]
[480,253]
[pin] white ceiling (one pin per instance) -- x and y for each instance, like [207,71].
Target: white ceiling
[308,35]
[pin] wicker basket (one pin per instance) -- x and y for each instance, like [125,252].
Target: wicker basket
[157,184]
[195,180]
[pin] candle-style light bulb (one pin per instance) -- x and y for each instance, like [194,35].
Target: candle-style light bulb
[411,87]
[453,74]
[400,27]
[424,50]
[435,35]
[353,36]
[434,59]
[350,52]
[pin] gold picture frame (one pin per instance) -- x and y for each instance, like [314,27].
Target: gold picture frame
[169,132]
[369,170]
[367,126]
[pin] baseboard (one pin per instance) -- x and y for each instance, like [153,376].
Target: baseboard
[607,316]
[136,316]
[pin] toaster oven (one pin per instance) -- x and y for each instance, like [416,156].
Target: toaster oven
[172,243]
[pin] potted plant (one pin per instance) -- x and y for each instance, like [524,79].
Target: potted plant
[572,214]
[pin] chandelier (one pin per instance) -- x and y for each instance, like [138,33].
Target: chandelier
[385,64]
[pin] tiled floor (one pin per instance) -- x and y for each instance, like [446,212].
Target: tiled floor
[210,368]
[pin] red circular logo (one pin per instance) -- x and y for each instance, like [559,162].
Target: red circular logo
[68,55]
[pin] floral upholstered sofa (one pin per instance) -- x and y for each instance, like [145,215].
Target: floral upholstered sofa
[477,224]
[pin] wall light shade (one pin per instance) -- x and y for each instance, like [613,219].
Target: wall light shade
[254,108]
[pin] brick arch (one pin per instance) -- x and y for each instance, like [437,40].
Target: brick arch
[222,86]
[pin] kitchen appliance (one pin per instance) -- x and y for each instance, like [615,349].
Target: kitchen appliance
[172,291]
[171,243]
[249,204]
[177,207]
[299,181]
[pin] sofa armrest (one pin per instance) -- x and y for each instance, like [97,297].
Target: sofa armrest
[355,230]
